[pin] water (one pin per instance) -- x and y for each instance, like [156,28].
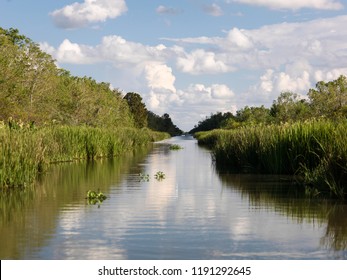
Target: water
[196,212]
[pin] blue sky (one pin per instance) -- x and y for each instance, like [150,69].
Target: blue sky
[195,57]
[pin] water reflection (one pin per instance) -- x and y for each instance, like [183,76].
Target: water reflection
[196,212]
[281,195]
[30,219]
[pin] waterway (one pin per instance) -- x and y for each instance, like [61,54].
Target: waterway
[195,212]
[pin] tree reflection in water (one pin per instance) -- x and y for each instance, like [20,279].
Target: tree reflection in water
[283,196]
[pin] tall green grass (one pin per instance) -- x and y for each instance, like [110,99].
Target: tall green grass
[315,151]
[25,152]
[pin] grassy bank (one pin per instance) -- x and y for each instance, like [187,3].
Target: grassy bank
[25,152]
[315,151]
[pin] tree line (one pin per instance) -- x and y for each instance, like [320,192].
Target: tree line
[328,100]
[34,90]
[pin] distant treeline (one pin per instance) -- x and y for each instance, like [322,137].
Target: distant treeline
[327,101]
[34,90]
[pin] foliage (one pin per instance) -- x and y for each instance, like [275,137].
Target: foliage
[316,151]
[213,122]
[290,107]
[47,115]
[27,151]
[159,175]
[253,115]
[144,177]
[33,89]
[94,197]
[137,108]
[163,123]
[175,147]
[330,99]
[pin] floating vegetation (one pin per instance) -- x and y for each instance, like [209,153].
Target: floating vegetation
[159,175]
[175,147]
[144,177]
[94,197]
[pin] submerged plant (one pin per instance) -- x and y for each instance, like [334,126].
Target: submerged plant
[159,175]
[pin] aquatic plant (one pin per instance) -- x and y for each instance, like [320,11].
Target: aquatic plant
[159,175]
[94,197]
[175,147]
[144,177]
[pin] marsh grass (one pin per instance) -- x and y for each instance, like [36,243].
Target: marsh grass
[315,151]
[26,152]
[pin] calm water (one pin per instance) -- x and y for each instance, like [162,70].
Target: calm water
[196,212]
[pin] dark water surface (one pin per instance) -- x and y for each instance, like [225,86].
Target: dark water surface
[196,212]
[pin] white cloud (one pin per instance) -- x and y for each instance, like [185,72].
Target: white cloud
[202,62]
[79,15]
[295,4]
[238,38]
[47,48]
[319,42]
[69,52]
[213,10]
[167,10]
[160,77]
[219,91]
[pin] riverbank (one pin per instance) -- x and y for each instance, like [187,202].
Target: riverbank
[314,151]
[27,151]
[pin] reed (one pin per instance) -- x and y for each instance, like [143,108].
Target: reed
[315,151]
[26,152]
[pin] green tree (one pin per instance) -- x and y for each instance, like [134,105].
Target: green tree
[253,115]
[137,109]
[290,107]
[27,77]
[32,88]
[329,99]
[214,121]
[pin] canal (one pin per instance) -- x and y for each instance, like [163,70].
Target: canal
[195,212]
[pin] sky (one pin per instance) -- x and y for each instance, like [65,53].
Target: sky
[191,58]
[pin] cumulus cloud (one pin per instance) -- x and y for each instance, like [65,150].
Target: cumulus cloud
[273,46]
[213,10]
[202,62]
[69,52]
[295,4]
[79,15]
[238,38]
[160,77]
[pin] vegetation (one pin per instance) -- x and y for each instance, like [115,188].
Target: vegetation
[47,115]
[144,177]
[327,101]
[160,175]
[26,152]
[306,138]
[94,197]
[137,108]
[163,123]
[175,147]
